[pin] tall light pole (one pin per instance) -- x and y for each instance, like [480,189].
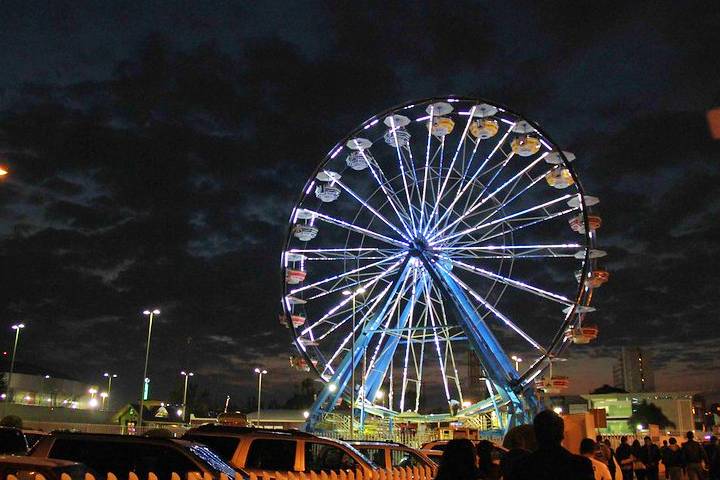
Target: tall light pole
[151,314]
[17,327]
[260,372]
[357,292]
[110,377]
[187,376]
[517,362]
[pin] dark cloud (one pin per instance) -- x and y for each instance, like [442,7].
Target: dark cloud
[156,156]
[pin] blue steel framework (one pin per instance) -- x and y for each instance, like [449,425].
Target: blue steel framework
[414,231]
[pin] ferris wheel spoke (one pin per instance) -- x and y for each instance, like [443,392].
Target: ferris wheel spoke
[344,254]
[436,341]
[402,172]
[514,283]
[508,200]
[368,285]
[392,197]
[463,188]
[497,313]
[450,168]
[427,166]
[371,209]
[345,274]
[537,221]
[503,219]
[356,229]
[359,324]
[485,199]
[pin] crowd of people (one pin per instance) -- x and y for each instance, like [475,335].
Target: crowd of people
[536,452]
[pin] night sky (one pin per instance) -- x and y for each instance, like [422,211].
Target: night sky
[156,150]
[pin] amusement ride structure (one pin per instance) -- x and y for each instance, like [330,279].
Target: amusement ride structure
[438,229]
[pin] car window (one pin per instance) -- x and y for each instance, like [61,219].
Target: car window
[377,455]
[405,458]
[321,457]
[270,454]
[12,441]
[224,446]
[100,457]
[211,460]
[120,458]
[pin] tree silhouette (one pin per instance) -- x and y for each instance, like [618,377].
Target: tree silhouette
[649,413]
[607,389]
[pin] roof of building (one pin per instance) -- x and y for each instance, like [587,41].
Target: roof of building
[30,369]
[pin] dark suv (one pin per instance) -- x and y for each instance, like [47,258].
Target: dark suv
[122,454]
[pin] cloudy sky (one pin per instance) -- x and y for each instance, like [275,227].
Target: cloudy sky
[156,149]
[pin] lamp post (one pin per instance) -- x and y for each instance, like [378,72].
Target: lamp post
[260,372]
[357,292]
[187,376]
[517,362]
[151,314]
[110,377]
[17,327]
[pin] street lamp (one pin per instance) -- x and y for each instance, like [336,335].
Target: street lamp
[151,314]
[260,373]
[104,396]
[17,327]
[187,376]
[517,362]
[110,377]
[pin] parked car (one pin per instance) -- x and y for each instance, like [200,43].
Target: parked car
[12,441]
[392,454]
[257,450]
[122,454]
[25,468]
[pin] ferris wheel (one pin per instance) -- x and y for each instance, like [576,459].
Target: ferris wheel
[437,231]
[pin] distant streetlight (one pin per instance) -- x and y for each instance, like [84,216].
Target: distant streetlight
[151,314]
[17,327]
[260,372]
[104,396]
[517,362]
[3,171]
[110,377]
[187,376]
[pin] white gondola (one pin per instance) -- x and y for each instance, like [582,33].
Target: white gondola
[397,135]
[554,158]
[590,201]
[327,193]
[304,232]
[358,160]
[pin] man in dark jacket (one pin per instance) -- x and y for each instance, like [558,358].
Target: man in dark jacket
[694,455]
[650,456]
[551,461]
[673,460]
[623,454]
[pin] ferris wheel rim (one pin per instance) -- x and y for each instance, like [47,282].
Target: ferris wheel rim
[587,236]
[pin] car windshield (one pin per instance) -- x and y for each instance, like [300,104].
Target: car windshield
[209,458]
[358,453]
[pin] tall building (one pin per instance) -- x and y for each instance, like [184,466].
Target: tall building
[633,372]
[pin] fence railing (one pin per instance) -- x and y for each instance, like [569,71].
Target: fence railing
[406,473]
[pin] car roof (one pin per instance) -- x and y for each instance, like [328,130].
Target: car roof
[117,437]
[37,461]
[238,430]
[375,443]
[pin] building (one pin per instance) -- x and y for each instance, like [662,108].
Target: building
[633,372]
[37,386]
[676,406]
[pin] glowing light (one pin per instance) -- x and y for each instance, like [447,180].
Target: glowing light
[466,404]
[379,395]
[639,426]
[3,171]
[558,410]
[93,403]
[306,414]
[332,387]
[179,412]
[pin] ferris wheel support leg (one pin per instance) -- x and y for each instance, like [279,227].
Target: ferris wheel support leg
[520,402]
[335,388]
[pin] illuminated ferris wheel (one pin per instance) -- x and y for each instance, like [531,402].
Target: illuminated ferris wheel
[441,228]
